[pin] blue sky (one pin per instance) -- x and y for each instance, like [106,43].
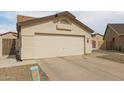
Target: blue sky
[96,20]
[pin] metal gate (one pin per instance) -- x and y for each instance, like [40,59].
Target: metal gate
[8,46]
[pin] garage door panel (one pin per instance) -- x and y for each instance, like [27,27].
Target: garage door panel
[53,46]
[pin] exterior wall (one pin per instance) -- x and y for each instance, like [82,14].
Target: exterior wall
[108,40]
[120,44]
[28,35]
[99,41]
[28,47]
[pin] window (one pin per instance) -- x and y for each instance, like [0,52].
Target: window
[64,21]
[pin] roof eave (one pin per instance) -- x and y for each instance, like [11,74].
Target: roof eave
[54,16]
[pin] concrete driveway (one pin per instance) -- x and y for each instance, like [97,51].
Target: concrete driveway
[81,67]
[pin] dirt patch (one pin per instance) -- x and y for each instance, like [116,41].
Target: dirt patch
[20,73]
[112,55]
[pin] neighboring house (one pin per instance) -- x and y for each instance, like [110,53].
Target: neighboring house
[97,41]
[114,37]
[52,36]
[8,43]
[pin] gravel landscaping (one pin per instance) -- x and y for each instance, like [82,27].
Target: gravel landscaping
[20,73]
[112,55]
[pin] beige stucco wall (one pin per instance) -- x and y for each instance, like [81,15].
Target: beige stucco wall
[99,41]
[28,47]
[50,27]
[29,38]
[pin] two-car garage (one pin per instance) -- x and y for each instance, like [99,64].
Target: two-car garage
[58,45]
[51,45]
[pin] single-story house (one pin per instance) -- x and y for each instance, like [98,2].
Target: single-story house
[52,36]
[114,37]
[97,41]
[8,43]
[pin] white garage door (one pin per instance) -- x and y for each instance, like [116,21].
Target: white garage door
[58,45]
